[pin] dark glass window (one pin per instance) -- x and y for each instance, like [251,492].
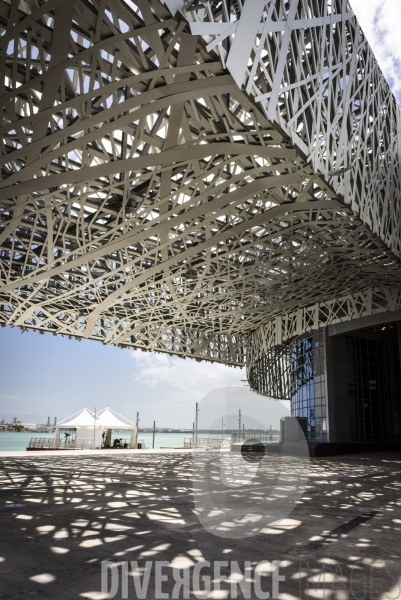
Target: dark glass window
[373,390]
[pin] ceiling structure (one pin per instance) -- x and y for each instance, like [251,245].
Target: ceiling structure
[185,176]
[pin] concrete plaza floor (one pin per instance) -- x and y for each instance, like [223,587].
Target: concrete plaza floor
[62,514]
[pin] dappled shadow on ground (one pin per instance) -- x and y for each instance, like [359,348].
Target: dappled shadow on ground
[73,512]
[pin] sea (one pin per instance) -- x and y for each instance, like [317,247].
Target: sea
[13,441]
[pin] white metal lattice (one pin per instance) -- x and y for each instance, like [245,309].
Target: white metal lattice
[160,192]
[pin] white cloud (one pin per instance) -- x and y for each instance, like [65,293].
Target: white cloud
[185,375]
[380,21]
[10,397]
[167,388]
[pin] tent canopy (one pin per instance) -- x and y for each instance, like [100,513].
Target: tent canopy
[106,418]
[85,418]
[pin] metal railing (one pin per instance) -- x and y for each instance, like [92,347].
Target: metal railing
[207,443]
[47,443]
[51,443]
[242,436]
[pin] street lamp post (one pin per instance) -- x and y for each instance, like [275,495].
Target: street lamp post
[196,425]
[94,430]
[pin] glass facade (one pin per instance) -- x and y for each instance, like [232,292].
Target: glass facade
[308,398]
[360,393]
[373,389]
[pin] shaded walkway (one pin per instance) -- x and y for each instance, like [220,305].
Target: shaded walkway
[73,511]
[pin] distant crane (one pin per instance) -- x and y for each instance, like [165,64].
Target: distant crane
[18,424]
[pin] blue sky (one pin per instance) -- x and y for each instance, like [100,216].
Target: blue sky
[45,375]
[380,21]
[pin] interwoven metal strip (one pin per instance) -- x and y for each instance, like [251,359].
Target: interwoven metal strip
[310,68]
[269,346]
[147,201]
[270,373]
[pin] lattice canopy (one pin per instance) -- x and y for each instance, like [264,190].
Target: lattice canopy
[175,175]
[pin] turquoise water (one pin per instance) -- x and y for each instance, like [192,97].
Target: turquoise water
[15,441]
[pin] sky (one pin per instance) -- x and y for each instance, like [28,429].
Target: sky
[380,21]
[44,375]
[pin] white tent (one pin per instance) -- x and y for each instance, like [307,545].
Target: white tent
[110,420]
[84,418]
[95,431]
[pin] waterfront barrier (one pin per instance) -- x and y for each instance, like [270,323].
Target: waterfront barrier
[51,443]
[246,436]
[238,437]
[207,443]
[47,443]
